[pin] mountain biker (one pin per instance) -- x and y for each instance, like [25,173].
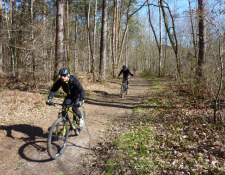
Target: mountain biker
[126,73]
[134,69]
[74,90]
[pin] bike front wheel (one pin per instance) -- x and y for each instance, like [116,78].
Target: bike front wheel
[57,138]
[127,92]
[123,90]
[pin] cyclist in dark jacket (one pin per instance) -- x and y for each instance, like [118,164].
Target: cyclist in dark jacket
[74,90]
[126,72]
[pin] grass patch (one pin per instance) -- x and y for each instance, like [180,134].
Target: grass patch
[21,164]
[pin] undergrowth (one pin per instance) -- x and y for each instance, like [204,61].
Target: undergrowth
[169,133]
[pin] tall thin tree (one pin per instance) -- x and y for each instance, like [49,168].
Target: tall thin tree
[59,38]
[103,39]
[1,28]
[202,37]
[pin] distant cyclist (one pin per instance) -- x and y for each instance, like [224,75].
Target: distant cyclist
[126,72]
[134,69]
[74,90]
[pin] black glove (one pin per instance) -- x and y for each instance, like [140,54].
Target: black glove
[132,74]
[79,103]
[48,102]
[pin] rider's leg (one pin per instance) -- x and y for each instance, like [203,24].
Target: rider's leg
[75,108]
[128,82]
[124,79]
[76,111]
[68,100]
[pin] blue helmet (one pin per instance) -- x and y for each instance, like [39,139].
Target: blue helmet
[124,66]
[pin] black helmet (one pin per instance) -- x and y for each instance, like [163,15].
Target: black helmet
[124,66]
[64,71]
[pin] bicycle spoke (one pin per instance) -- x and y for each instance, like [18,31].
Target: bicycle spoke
[57,138]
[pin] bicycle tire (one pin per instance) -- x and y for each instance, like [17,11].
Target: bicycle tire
[127,90]
[122,90]
[56,141]
[78,129]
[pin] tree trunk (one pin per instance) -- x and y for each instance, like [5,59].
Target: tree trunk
[160,41]
[12,47]
[44,38]
[68,37]
[32,39]
[1,33]
[172,37]
[59,38]
[103,39]
[114,29]
[75,37]
[192,29]
[202,36]
[94,36]
[89,37]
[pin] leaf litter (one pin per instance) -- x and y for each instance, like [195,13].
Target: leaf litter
[171,132]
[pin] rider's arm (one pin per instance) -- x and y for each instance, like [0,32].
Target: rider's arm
[80,88]
[120,73]
[55,88]
[130,72]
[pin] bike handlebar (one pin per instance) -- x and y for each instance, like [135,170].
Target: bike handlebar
[62,104]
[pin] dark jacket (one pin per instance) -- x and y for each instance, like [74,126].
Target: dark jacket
[72,87]
[125,73]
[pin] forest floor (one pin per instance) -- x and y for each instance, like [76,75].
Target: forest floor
[25,121]
[159,128]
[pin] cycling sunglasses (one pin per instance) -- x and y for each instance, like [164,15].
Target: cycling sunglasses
[63,75]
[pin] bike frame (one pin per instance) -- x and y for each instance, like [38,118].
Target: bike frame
[65,110]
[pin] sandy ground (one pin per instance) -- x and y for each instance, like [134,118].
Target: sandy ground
[23,134]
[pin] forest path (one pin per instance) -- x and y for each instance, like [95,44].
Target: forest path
[23,148]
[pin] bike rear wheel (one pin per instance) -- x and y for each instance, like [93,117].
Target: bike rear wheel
[76,122]
[57,138]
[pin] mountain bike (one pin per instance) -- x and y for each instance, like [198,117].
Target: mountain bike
[59,131]
[124,87]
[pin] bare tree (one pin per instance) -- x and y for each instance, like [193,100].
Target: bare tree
[192,29]
[94,38]
[159,43]
[44,36]
[172,36]
[12,38]
[59,38]
[1,28]
[202,37]
[103,39]
[114,36]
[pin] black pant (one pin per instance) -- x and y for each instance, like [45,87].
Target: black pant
[69,100]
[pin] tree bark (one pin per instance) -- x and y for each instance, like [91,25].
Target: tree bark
[12,47]
[94,36]
[160,41]
[75,37]
[114,29]
[44,37]
[103,39]
[1,33]
[202,37]
[59,38]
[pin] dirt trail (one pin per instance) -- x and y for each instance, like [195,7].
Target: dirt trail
[23,146]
